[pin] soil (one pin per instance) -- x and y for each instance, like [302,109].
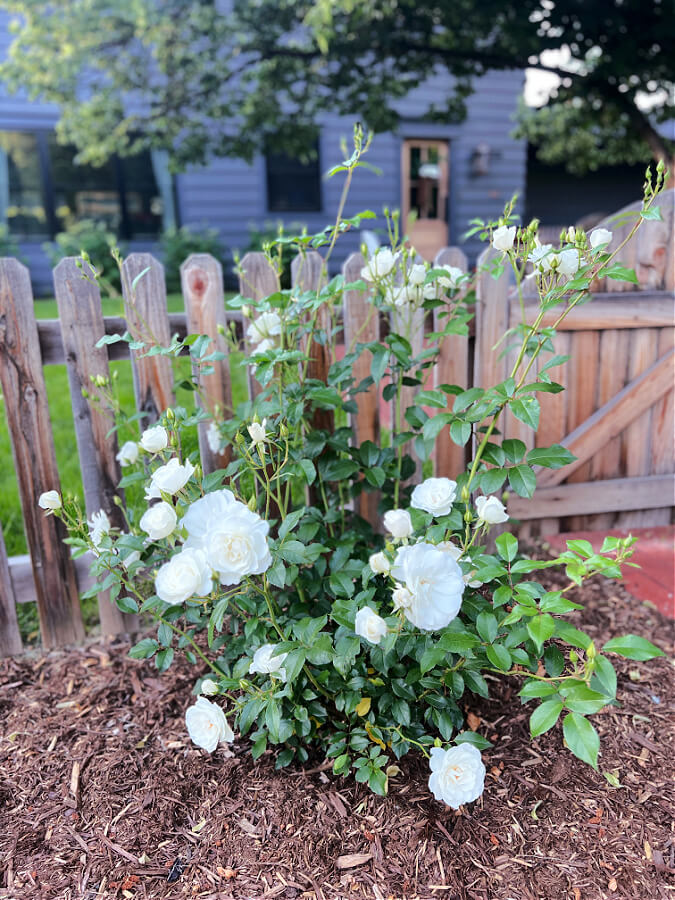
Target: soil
[102,795]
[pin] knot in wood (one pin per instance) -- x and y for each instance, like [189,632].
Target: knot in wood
[198,281]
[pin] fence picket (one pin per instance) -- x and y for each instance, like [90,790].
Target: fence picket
[257,279]
[23,386]
[361,326]
[202,283]
[10,638]
[452,367]
[145,307]
[79,302]
[306,273]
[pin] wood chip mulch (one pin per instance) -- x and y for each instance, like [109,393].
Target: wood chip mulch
[102,795]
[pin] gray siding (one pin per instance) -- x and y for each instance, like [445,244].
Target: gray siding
[230,195]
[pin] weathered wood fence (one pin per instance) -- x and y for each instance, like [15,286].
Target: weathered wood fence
[616,414]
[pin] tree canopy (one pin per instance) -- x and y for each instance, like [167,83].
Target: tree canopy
[201,77]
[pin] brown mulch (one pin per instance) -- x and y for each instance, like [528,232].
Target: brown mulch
[102,795]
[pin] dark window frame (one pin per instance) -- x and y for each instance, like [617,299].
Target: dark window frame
[125,231]
[311,169]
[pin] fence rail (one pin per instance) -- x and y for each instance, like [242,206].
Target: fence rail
[616,414]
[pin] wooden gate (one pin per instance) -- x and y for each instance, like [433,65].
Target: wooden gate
[616,413]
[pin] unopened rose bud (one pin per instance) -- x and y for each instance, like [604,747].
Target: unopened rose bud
[591,652]
[252,504]
[221,330]
[246,311]
[466,494]
[170,415]
[283,430]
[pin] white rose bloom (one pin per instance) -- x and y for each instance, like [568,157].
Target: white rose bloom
[379,265]
[169,479]
[491,510]
[128,453]
[435,582]
[452,279]
[233,537]
[159,521]
[266,326]
[417,274]
[98,527]
[207,725]
[213,437]
[208,687]
[599,238]
[401,597]
[154,439]
[542,257]
[184,575]
[265,663]
[379,563]
[50,500]
[503,237]
[398,523]
[457,774]
[448,547]
[569,262]
[435,496]
[368,625]
[257,432]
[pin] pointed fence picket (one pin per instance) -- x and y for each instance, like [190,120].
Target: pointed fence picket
[637,395]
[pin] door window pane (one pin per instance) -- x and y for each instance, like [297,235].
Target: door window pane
[83,192]
[425,194]
[144,205]
[21,189]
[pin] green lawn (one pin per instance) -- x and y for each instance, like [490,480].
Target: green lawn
[61,416]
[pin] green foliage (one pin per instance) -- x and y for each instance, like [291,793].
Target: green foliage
[269,235]
[364,56]
[93,239]
[8,244]
[176,244]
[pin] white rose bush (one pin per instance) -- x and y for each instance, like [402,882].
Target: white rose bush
[310,630]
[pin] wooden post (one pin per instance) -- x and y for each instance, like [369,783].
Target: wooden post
[361,326]
[145,305]
[202,282]
[452,367]
[257,279]
[306,273]
[79,302]
[23,385]
[10,638]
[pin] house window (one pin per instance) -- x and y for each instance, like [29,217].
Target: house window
[43,191]
[293,185]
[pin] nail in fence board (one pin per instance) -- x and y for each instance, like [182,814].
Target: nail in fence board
[79,303]
[145,308]
[10,638]
[202,283]
[27,411]
[362,326]
[306,272]
[257,279]
[452,367]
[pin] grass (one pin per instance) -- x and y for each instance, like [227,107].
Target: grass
[61,416]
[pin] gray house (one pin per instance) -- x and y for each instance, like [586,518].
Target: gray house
[446,174]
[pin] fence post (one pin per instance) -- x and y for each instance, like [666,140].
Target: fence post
[145,307]
[30,431]
[361,324]
[306,273]
[257,279]
[202,282]
[452,367]
[79,303]
[10,638]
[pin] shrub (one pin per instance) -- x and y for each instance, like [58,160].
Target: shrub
[176,244]
[94,241]
[317,630]
[8,244]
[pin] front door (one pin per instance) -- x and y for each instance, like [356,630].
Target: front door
[424,203]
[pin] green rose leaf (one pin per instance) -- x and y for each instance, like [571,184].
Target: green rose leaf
[632,646]
[582,738]
[545,716]
[541,628]
[523,481]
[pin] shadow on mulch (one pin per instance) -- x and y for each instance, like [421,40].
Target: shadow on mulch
[102,795]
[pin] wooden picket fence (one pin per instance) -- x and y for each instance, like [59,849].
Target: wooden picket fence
[616,414]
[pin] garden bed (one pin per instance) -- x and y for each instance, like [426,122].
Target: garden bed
[102,795]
